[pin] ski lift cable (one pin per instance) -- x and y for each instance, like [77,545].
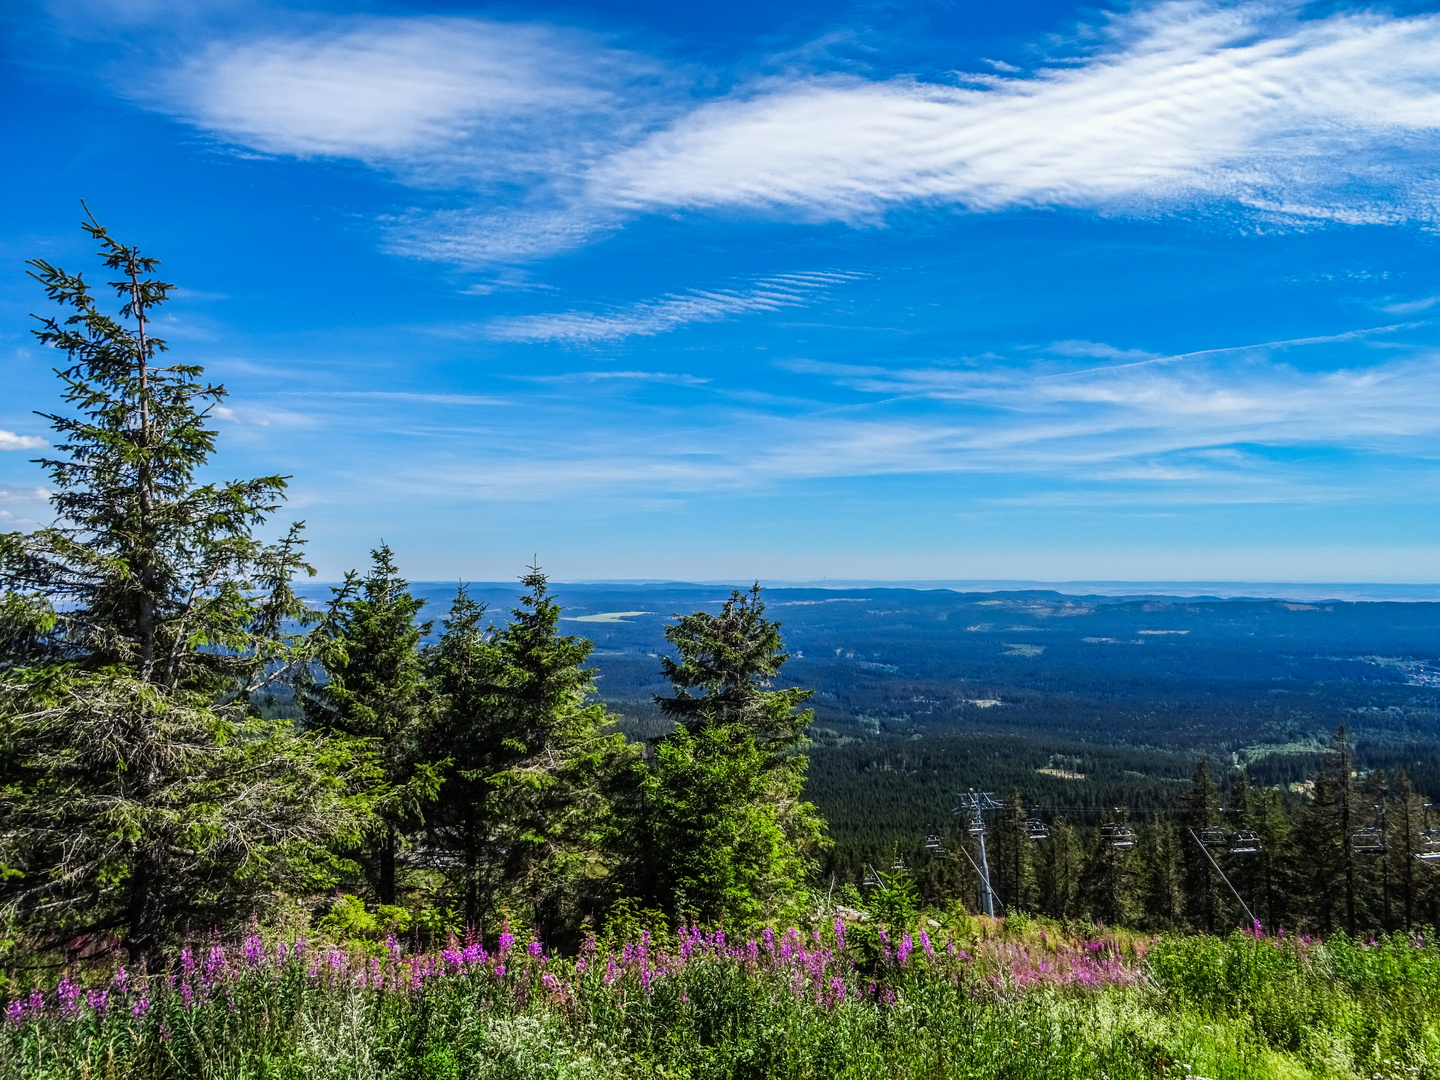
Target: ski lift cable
[994,895]
[1249,914]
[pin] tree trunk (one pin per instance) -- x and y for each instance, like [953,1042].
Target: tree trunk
[146,913]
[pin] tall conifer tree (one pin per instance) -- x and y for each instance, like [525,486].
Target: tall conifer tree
[142,793]
[558,768]
[724,800]
[1203,902]
[375,690]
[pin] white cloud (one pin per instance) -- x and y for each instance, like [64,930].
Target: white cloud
[440,100]
[1177,106]
[670,312]
[1331,118]
[32,495]
[9,440]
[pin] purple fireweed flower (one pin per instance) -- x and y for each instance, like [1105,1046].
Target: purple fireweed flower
[536,948]
[120,979]
[98,1000]
[925,944]
[840,933]
[905,949]
[499,971]
[507,940]
[392,947]
[141,1008]
[769,936]
[68,994]
[254,950]
[187,960]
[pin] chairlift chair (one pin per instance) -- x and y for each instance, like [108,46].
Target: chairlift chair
[1429,841]
[872,879]
[1429,846]
[1036,829]
[1368,841]
[934,845]
[1213,836]
[1246,842]
[900,866]
[1117,835]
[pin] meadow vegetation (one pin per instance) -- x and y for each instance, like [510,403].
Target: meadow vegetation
[976,998]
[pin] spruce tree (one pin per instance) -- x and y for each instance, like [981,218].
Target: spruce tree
[1276,861]
[1013,876]
[1203,902]
[1162,874]
[1058,871]
[1107,882]
[1328,826]
[465,671]
[724,800]
[142,792]
[548,774]
[374,689]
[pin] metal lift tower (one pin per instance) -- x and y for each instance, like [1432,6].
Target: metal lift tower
[975,803]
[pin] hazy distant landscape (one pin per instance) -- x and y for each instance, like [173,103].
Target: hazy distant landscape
[1077,699]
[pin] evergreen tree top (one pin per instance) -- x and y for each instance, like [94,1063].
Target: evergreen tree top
[144,567]
[732,657]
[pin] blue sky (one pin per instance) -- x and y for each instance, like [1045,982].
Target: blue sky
[705,291]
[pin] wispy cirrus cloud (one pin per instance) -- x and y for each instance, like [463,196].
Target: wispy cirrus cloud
[1282,424]
[1173,104]
[1185,105]
[620,377]
[670,312]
